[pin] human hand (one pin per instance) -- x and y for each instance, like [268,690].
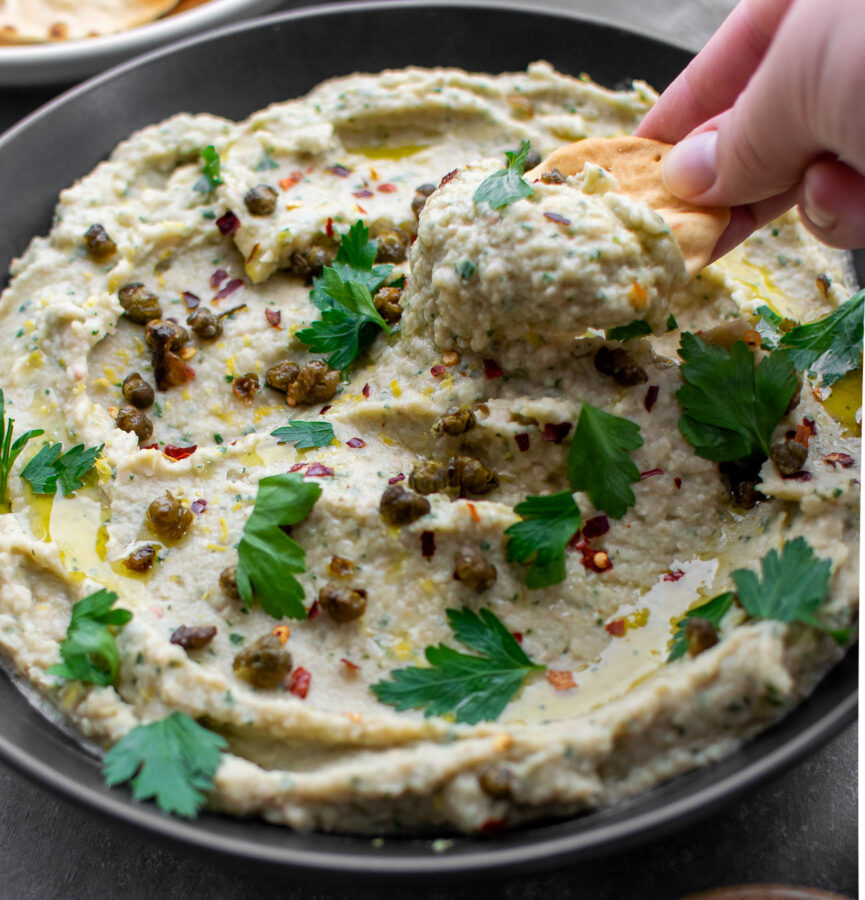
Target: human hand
[773,108]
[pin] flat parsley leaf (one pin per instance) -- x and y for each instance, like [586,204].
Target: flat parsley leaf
[507,185]
[730,406]
[831,346]
[305,435]
[9,449]
[637,328]
[89,651]
[210,178]
[267,557]
[340,333]
[473,688]
[172,760]
[793,586]
[712,610]
[49,467]
[598,460]
[549,522]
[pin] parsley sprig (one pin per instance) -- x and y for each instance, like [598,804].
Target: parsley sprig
[507,185]
[267,558]
[305,435]
[172,760]
[50,466]
[344,294]
[472,687]
[9,449]
[831,346]
[211,176]
[89,650]
[730,406]
[548,523]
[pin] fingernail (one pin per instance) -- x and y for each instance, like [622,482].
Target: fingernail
[817,214]
[689,168]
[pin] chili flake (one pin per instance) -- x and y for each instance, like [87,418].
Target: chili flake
[338,170]
[561,679]
[492,369]
[522,441]
[473,512]
[674,575]
[218,277]
[616,628]
[328,228]
[297,467]
[649,473]
[556,432]
[173,452]
[228,223]
[314,610]
[678,482]
[651,397]
[395,479]
[298,682]
[596,526]
[228,289]
[355,443]
[190,299]
[198,506]
[437,370]
[798,476]
[365,390]
[845,460]
[427,544]
[518,636]
[318,470]
[324,409]
[363,193]
[274,316]
[387,188]
[448,177]
[352,667]
[555,217]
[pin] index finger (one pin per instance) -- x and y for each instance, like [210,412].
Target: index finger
[718,73]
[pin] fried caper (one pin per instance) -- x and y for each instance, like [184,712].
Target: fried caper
[168,518]
[554,176]
[429,477]
[401,507]
[281,376]
[137,391]
[342,603]
[264,663]
[392,246]
[245,387]
[421,192]
[99,245]
[316,382]
[163,334]
[261,200]
[141,559]
[138,303]
[471,476]
[473,570]
[194,638]
[788,455]
[618,364]
[701,635]
[458,422]
[228,582]
[387,304]
[133,420]
[204,323]
[496,782]
[308,263]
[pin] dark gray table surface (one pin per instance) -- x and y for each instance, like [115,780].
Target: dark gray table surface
[799,829]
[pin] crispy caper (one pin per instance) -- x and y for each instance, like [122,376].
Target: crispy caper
[168,518]
[261,200]
[401,507]
[204,323]
[788,455]
[701,635]
[163,334]
[138,303]
[245,387]
[496,782]
[387,303]
[392,246]
[141,558]
[458,422]
[194,638]
[618,364]
[228,582]
[99,244]
[470,475]
[316,382]
[421,192]
[554,176]
[309,262]
[342,603]
[133,420]
[281,376]
[742,477]
[429,477]
[137,391]
[473,570]
[264,663]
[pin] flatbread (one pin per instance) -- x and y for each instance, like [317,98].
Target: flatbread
[39,21]
[636,164]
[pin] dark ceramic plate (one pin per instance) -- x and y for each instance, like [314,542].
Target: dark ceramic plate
[232,72]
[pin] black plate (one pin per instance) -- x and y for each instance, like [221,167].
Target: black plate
[233,72]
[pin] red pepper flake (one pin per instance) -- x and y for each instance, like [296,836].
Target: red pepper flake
[229,289]
[387,188]
[365,390]
[555,217]
[298,682]
[324,409]
[556,432]
[217,278]
[363,193]
[522,441]
[191,301]
[812,427]
[492,827]
[596,526]
[561,679]
[228,223]
[802,435]
[355,443]
[616,628]
[151,447]
[448,177]
[274,316]
[174,452]
[297,467]
[198,506]
[678,482]
[845,460]
[314,611]
[437,370]
[798,476]
[518,636]
[338,170]
[352,667]
[360,209]
[651,397]
[649,473]
[328,228]
[473,512]
[288,183]
[427,544]
[396,479]
[318,470]
[674,575]
[492,369]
